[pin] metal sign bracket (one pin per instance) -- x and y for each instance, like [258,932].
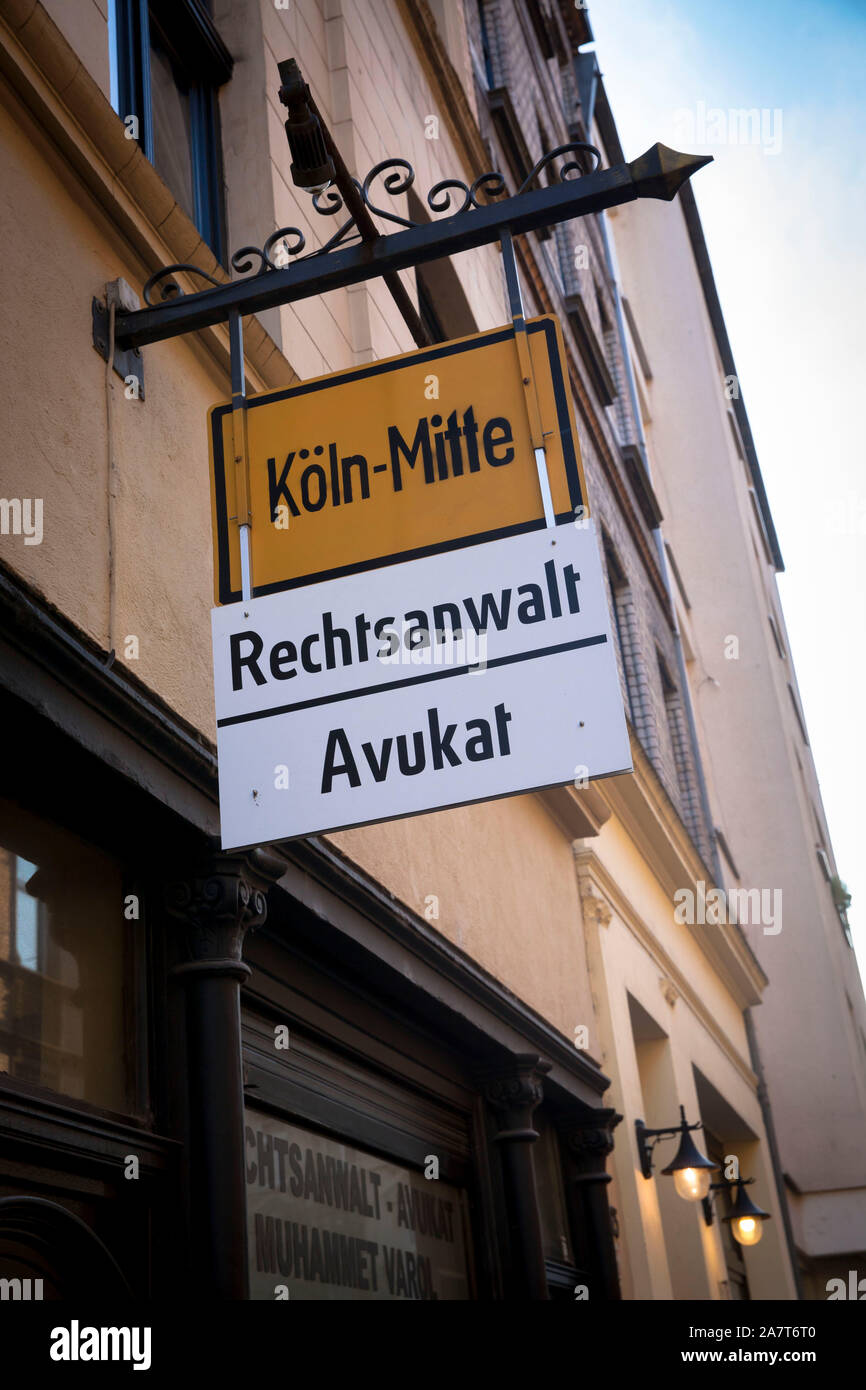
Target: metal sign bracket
[240,449]
[515,304]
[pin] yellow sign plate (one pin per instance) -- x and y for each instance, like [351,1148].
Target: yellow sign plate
[397,459]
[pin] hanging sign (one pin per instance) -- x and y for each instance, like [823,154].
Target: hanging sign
[395,460]
[457,677]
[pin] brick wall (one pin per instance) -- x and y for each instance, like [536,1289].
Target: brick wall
[543,94]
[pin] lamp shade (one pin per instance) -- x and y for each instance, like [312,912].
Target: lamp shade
[312,167]
[690,1170]
[746,1218]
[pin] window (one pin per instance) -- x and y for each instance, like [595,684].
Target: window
[427,312]
[487,61]
[560,1261]
[442,304]
[801,723]
[168,62]
[726,851]
[622,417]
[620,604]
[64,950]
[685,788]
[738,1284]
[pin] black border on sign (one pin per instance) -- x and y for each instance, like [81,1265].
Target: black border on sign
[545,325]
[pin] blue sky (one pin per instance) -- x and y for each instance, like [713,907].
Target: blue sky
[785,231]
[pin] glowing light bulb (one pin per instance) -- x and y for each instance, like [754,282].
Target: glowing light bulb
[692,1184]
[747,1230]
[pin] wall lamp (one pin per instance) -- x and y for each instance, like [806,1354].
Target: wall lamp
[690,1169]
[746,1219]
[312,167]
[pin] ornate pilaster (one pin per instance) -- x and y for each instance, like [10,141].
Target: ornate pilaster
[513,1092]
[595,909]
[588,1141]
[216,906]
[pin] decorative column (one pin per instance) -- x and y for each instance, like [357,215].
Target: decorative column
[217,907]
[514,1092]
[588,1139]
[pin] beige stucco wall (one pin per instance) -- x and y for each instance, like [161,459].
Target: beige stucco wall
[762,781]
[506,892]
[637,952]
[501,876]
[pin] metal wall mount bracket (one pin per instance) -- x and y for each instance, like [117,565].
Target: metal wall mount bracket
[127,362]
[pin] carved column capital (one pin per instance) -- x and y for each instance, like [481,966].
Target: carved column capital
[595,908]
[588,1138]
[514,1090]
[218,904]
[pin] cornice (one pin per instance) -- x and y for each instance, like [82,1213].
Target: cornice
[600,892]
[646,812]
[577,813]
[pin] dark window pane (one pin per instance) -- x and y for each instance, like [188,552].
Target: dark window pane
[172,127]
[62,952]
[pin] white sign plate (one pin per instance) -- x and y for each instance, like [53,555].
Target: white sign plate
[454,678]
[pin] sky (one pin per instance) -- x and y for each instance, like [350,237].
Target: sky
[784,222]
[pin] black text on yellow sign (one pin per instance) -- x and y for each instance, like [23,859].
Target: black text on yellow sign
[416,454]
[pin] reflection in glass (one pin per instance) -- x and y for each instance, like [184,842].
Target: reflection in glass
[61,961]
[172,127]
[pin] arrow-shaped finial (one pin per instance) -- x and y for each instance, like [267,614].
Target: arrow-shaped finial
[661,172]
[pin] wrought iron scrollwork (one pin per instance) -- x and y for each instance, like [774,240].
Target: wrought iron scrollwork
[571,170]
[171,289]
[394,183]
[288,244]
[290,241]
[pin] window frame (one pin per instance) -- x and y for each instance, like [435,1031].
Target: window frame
[617,583]
[189,35]
[135,1035]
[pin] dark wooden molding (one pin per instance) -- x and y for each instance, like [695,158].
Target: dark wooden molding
[38,1125]
[47,637]
[395,935]
[473,994]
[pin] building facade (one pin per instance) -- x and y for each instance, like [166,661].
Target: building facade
[402,1061]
